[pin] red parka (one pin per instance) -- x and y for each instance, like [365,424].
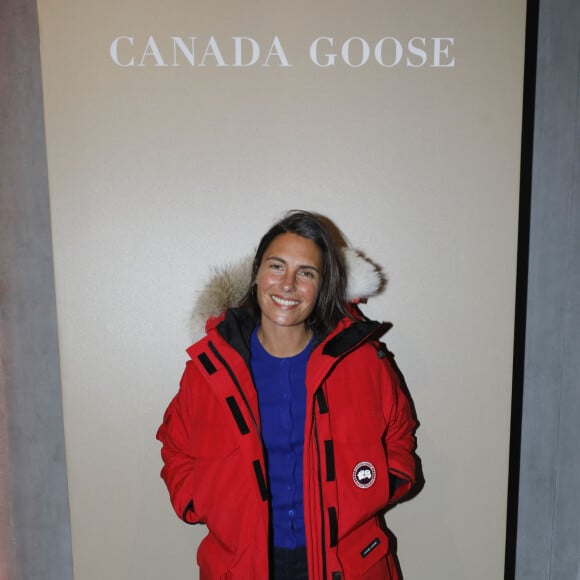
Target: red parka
[358,440]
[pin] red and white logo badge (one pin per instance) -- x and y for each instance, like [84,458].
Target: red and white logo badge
[364,474]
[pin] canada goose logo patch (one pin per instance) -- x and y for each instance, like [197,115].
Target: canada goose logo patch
[364,474]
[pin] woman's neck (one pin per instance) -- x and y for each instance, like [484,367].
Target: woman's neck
[284,341]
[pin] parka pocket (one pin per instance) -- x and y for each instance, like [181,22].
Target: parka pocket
[220,482]
[214,560]
[363,553]
[216,492]
[362,481]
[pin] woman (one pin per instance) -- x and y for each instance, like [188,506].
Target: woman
[290,434]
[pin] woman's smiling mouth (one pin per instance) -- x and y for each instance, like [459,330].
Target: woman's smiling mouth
[284,301]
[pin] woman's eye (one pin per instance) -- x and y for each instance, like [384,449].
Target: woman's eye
[307,274]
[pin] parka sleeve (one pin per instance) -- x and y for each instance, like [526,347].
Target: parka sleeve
[399,439]
[175,434]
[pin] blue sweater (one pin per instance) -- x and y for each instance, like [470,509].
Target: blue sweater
[280,383]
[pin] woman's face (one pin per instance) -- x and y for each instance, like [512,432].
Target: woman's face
[288,280]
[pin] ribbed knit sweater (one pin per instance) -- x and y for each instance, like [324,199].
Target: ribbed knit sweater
[280,383]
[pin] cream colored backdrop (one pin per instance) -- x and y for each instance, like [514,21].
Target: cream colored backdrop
[161,169]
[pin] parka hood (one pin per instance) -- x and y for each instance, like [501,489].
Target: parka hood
[227,287]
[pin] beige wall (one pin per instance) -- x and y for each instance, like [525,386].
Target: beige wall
[159,172]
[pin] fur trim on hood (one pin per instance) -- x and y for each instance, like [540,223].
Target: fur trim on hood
[228,285]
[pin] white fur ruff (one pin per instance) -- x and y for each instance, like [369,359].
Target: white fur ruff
[227,286]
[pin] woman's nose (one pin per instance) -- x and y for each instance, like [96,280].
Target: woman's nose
[288,282]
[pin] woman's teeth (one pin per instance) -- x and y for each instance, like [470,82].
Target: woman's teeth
[284,302]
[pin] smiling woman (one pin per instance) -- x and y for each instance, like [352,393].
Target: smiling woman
[287,289]
[294,484]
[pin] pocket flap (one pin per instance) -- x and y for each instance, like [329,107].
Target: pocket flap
[363,548]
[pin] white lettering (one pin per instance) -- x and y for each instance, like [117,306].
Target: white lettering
[388,52]
[212,49]
[346,51]
[152,50]
[314,52]
[277,50]
[417,51]
[238,51]
[379,52]
[114,51]
[438,51]
[245,51]
[187,53]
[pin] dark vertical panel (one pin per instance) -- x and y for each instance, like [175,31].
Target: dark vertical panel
[526,165]
[36,536]
[549,497]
